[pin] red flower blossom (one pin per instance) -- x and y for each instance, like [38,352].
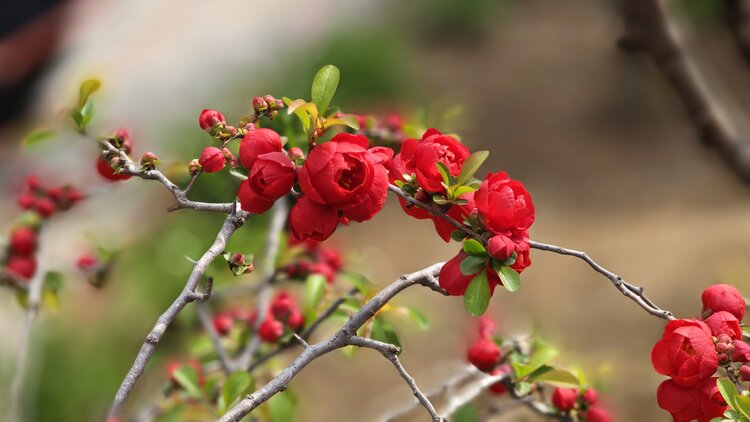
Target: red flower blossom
[23,241]
[685,352]
[270,329]
[22,266]
[420,157]
[256,143]
[223,323]
[504,203]
[104,167]
[723,322]
[455,282]
[740,351]
[271,177]
[212,159]
[209,118]
[597,414]
[723,297]
[701,402]
[565,399]
[484,354]
[308,219]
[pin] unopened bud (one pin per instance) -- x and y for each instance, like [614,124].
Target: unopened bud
[194,167]
[295,154]
[149,160]
[259,104]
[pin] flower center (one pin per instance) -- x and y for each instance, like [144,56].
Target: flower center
[351,177]
[687,347]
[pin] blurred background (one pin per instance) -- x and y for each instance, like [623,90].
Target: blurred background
[598,137]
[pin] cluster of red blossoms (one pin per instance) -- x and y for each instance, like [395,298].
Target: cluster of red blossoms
[691,350]
[283,314]
[108,164]
[314,259]
[20,257]
[568,400]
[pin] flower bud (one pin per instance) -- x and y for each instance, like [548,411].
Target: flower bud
[121,140]
[590,396]
[149,160]
[27,201]
[564,399]
[237,259]
[724,347]
[223,323]
[106,169]
[23,267]
[499,387]
[210,118]
[484,354]
[295,154]
[724,358]
[745,373]
[270,330]
[212,159]
[723,297]
[501,247]
[45,207]
[33,183]
[259,104]
[228,155]
[87,262]
[282,306]
[23,241]
[296,320]
[740,351]
[194,167]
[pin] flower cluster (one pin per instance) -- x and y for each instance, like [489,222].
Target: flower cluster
[108,164]
[283,314]
[315,258]
[581,401]
[20,257]
[692,350]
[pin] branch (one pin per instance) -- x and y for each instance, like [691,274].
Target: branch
[341,338]
[188,294]
[649,29]
[208,327]
[632,292]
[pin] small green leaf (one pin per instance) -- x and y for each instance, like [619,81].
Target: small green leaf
[419,318]
[445,172]
[88,87]
[383,331]
[472,264]
[37,137]
[510,278]
[540,356]
[458,235]
[239,172]
[742,405]
[187,378]
[471,165]
[523,388]
[463,189]
[350,121]
[557,377]
[282,406]
[315,287]
[466,413]
[728,391]
[477,295]
[439,199]
[324,86]
[474,248]
[236,385]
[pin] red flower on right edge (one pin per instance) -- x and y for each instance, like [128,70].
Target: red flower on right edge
[692,350]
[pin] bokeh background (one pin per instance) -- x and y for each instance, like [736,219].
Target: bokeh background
[596,135]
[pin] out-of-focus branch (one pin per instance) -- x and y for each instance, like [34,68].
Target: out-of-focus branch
[273,242]
[631,291]
[649,29]
[738,19]
[208,326]
[424,277]
[189,294]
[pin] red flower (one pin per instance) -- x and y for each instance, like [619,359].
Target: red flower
[256,143]
[27,201]
[212,159]
[223,323]
[455,282]
[590,396]
[209,118]
[702,402]
[723,297]
[504,203]
[282,306]
[296,320]
[565,399]
[87,262]
[522,255]
[22,266]
[501,247]
[271,177]
[724,323]
[45,207]
[420,158]
[740,351]
[685,352]
[105,170]
[484,354]
[597,414]
[270,329]
[745,373]
[345,175]
[23,241]
[499,387]
[308,219]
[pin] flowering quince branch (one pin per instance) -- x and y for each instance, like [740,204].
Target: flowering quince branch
[206,323]
[341,338]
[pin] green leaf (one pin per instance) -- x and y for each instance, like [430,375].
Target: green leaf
[510,278]
[383,331]
[236,385]
[419,318]
[439,199]
[315,287]
[471,165]
[557,377]
[348,120]
[324,86]
[466,413]
[282,406]
[445,172]
[728,390]
[50,288]
[472,264]
[37,137]
[187,378]
[88,87]
[523,388]
[239,172]
[463,189]
[474,248]
[742,404]
[477,295]
[540,356]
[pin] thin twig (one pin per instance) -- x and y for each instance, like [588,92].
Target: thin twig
[340,339]
[208,327]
